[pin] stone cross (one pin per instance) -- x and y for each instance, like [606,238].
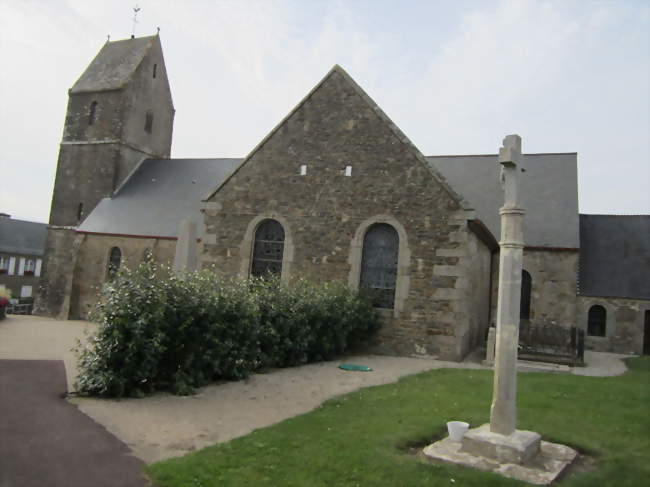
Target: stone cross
[503,414]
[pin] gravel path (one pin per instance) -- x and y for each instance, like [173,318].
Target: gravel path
[163,426]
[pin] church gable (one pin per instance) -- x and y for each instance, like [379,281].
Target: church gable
[338,129]
[330,174]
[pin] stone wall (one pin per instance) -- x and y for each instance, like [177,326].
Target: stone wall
[325,214]
[92,264]
[554,285]
[624,327]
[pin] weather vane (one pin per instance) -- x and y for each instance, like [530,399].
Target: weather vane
[136,9]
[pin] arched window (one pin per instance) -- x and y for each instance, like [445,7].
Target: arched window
[114,261]
[526,287]
[268,249]
[92,113]
[155,68]
[597,321]
[147,256]
[379,264]
[148,122]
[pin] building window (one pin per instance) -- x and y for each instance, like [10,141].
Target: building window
[379,264]
[80,212]
[148,122]
[597,321]
[4,265]
[114,261]
[268,249]
[155,68]
[30,267]
[92,113]
[147,256]
[526,287]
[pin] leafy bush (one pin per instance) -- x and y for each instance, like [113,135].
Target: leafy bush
[159,330]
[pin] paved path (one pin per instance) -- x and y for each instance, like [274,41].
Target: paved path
[47,442]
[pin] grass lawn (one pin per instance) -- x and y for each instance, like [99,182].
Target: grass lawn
[362,439]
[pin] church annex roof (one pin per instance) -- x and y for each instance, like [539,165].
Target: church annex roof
[114,65]
[157,195]
[549,194]
[22,237]
[614,256]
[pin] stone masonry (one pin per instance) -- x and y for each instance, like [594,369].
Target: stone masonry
[325,214]
[104,138]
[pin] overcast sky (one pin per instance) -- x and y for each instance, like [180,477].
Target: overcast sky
[455,76]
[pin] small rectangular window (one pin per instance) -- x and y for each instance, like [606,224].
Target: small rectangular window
[348,170]
[303,170]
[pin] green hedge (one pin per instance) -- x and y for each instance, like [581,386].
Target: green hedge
[161,331]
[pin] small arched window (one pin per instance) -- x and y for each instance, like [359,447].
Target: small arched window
[147,256]
[114,262]
[155,68]
[379,264]
[80,212]
[597,321]
[526,287]
[268,249]
[92,113]
[148,122]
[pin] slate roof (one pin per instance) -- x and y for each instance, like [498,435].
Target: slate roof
[114,65]
[549,194]
[615,256]
[22,237]
[157,195]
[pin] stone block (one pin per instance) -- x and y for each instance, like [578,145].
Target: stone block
[459,252]
[518,448]
[448,270]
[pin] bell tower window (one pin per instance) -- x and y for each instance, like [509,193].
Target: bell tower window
[148,122]
[92,113]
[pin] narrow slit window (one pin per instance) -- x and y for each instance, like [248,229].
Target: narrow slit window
[155,68]
[80,212]
[348,170]
[148,122]
[92,113]
[526,288]
[303,170]
[114,262]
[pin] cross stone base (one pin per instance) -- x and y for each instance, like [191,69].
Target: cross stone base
[519,447]
[522,455]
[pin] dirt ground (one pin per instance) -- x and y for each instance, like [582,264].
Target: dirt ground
[164,426]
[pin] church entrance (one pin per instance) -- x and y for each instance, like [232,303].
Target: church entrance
[646,333]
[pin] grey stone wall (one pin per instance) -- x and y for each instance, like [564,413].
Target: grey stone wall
[92,264]
[56,275]
[554,285]
[324,212]
[624,326]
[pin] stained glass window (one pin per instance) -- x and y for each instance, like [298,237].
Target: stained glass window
[268,249]
[379,264]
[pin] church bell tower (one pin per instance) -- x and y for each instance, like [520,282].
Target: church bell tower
[120,111]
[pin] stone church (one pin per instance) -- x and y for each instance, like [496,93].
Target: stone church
[334,192]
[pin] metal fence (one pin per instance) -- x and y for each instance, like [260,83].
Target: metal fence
[19,309]
[551,343]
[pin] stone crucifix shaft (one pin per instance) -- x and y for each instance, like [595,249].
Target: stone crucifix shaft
[503,414]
